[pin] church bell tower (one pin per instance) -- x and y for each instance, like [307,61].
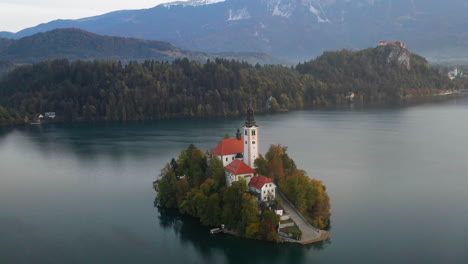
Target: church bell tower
[250,138]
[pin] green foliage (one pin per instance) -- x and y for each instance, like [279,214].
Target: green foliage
[110,91]
[294,230]
[274,106]
[5,116]
[212,215]
[216,172]
[193,164]
[261,165]
[308,196]
[232,207]
[373,75]
[284,101]
[249,216]
[166,188]
[202,193]
[278,162]
[268,226]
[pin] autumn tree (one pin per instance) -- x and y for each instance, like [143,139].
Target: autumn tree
[249,222]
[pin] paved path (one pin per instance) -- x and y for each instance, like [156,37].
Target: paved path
[310,234]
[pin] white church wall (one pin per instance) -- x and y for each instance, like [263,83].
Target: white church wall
[227,159]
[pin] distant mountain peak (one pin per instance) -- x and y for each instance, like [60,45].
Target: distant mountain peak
[291,29]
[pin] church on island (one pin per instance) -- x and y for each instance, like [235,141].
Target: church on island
[238,156]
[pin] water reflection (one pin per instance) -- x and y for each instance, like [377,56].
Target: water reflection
[118,140]
[235,250]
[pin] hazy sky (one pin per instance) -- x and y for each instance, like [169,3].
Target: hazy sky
[19,14]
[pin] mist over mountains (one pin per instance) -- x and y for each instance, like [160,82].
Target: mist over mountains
[292,29]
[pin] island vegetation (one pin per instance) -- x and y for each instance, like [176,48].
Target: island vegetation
[112,91]
[195,185]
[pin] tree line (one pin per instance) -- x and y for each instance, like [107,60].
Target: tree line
[152,90]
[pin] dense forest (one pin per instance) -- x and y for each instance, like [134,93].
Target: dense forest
[111,91]
[77,44]
[195,185]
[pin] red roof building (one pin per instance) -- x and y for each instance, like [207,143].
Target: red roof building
[238,167]
[229,146]
[263,187]
[259,181]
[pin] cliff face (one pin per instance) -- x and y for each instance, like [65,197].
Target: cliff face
[395,53]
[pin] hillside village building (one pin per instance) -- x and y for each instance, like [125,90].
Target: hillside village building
[238,156]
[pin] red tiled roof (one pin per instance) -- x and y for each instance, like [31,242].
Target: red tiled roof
[239,167]
[258,181]
[229,146]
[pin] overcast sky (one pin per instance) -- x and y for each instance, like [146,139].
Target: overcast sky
[16,15]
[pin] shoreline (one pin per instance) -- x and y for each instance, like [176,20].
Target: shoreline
[403,102]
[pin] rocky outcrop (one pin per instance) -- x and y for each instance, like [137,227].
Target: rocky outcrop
[394,53]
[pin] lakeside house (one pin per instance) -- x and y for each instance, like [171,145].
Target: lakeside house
[50,115]
[350,96]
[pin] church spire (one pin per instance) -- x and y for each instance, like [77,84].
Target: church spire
[250,120]
[251,138]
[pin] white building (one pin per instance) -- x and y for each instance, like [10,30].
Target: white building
[236,170]
[263,187]
[50,115]
[251,137]
[239,154]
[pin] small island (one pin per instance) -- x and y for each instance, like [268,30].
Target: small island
[246,194]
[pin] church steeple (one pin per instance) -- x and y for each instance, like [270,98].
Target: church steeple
[251,138]
[250,120]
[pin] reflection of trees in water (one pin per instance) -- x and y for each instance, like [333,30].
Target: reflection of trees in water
[117,140]
[235,250]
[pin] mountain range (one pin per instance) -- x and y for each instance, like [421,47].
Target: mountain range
[292,29]
[74,44]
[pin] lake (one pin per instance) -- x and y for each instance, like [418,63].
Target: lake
[82,193]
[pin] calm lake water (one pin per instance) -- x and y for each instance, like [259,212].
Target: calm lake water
[397,178]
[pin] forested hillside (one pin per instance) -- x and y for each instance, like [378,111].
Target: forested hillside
[5,67]
[77,44]
[379,74]
[107,90]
